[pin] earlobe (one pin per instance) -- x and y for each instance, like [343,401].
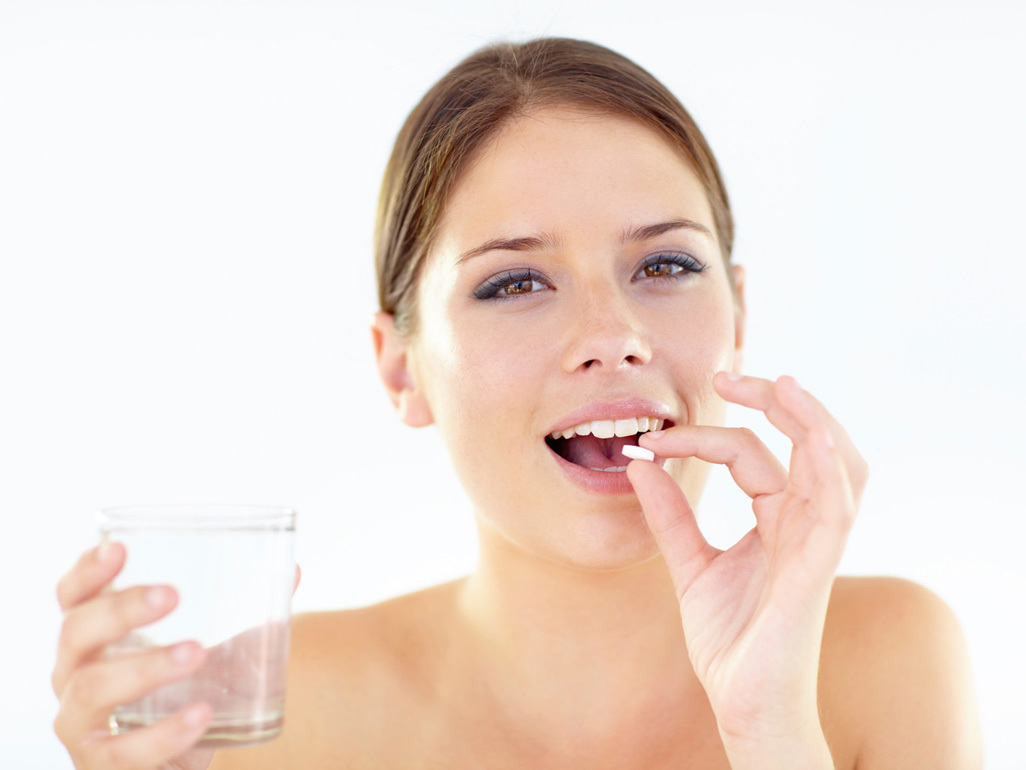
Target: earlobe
[739,314]
[393,357]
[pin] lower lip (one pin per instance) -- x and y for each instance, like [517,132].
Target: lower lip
[597,482]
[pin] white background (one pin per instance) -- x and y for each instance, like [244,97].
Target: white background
[187,194]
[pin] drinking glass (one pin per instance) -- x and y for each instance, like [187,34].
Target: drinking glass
[233,568]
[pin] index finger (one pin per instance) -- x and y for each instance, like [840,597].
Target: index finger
[751,464]
[94,569]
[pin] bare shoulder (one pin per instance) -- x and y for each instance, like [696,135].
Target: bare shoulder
[353,675]
[895,684]
[386,635]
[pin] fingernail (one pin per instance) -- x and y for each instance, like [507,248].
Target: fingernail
[733,376]
[157,597]
[830,440]
[104,551]
[654,434]
[183,653]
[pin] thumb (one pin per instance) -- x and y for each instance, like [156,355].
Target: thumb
[671,521]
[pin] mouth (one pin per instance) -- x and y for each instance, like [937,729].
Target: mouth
[598,445]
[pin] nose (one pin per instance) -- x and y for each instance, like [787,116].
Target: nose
[604,335]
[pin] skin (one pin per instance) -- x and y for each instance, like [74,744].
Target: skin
[598,630]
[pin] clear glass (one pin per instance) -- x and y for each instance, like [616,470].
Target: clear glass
[234,569]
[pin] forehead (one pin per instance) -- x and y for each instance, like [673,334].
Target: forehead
[569,172]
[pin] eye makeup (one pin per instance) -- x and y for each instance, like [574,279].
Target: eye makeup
[524,281]
[684,264]
[518,282]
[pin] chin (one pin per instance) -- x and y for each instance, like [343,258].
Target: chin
[593,542]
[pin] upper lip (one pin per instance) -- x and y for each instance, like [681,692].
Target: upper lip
[621,409]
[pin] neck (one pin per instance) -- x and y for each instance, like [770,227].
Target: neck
[594,644]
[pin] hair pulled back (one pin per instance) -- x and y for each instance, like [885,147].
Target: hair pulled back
[478,96]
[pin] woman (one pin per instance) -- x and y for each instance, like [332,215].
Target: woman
[553,252]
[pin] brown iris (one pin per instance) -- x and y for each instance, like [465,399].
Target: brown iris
[519,287]
[661,269]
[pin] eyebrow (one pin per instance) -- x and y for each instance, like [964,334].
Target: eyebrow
[528,243]
[634,234]
[537,242]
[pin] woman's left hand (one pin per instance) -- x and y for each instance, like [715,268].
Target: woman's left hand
[753,615]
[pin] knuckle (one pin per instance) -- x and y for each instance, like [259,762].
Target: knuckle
[748,437]
[79,690]
[65,593]
[59,726]
[858,474]
[56,680]
[66,639]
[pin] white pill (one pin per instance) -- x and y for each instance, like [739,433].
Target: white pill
[637,452]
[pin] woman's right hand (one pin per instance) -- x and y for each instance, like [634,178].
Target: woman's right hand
[90,686]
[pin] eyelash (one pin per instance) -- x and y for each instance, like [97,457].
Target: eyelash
[685,262]
[492,288]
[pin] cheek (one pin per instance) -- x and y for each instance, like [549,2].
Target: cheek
[700,343]
[485,391]
[482,380]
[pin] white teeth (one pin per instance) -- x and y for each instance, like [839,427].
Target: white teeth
[626,427]
[614,469]
[610,428]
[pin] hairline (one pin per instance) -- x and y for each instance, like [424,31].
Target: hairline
[530,108]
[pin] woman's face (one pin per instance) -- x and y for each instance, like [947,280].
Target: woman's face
[576,277]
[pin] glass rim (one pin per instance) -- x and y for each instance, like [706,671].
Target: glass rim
[186,516]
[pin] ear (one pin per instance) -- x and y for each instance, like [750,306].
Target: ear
[740,314]
[393,357]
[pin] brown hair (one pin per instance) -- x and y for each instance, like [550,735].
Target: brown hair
[478,96]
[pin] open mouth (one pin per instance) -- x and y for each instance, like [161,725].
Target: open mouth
[598,445]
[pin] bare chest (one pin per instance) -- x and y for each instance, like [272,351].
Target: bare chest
[436,735]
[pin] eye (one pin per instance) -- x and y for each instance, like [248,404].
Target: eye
[513,283]
[673,266]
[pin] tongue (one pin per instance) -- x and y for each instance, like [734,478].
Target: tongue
[592,452]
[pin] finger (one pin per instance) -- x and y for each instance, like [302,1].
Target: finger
[672,523]
[794,411]
[156,744]
[832,501]
[94,569]
[95,690]
[752,465]
[94,624]
[808,410]
[758,393]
